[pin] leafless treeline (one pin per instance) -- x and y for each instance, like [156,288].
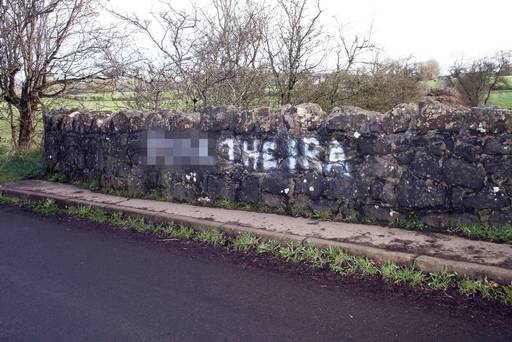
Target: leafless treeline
[241,52]
[245,53]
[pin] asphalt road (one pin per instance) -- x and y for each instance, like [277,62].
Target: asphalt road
[65,280]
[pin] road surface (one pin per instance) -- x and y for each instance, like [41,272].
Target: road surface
[66,280]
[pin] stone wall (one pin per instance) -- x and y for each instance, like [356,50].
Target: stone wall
[443,165]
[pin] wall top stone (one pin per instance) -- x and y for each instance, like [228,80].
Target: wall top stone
[298,120]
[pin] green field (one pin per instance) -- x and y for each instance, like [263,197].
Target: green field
[502,98]
[434,84]
[117,101]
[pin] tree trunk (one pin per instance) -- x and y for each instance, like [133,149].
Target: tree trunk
[14,141]
[26,130]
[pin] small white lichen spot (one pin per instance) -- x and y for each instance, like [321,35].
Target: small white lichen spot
[72,115]
[481,128]
[311,188]
[305,180]
[286,191]
[357,135]
[187,177]
[495,189]
[392,213]
[376,206]
[195,179]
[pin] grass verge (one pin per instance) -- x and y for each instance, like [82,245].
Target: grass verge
[20,164]
[335,259]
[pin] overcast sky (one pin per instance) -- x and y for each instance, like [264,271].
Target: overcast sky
[441,29]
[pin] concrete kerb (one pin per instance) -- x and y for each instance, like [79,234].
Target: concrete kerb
[422,262]
[432,264]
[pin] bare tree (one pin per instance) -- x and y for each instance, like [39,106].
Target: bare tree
[46,45]
[475,82]
[293,44]
[171,31]
[353,56]
[213,53]
[229,55]
[430,69]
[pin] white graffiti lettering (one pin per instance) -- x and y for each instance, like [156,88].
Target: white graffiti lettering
[251,155]
[306,153]
[269,159]
[311,153]
[337,159]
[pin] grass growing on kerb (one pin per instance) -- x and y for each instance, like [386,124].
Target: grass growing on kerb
[441,280]
[329,258]
[210,236]
[47,207]
[87,212]
[267,247]
[245,242]
[482,287]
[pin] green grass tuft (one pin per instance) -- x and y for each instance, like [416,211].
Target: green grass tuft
[300,210]
[288,252]
[365,266]
[267,246]
[411,275]
[46,207]
[389,271]
[323,214]
[498,234]
[351,216]
[506,294]
[158,195]
[227,204]
[57,177]
[337,259]
[412,223]
[245,242]
[182,232]
[211,236]
[314,255]
[442,280]
[471,287]
[139,224]
[87,212]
